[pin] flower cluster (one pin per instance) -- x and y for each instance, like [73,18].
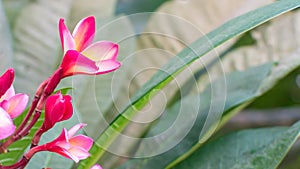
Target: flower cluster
[81,56]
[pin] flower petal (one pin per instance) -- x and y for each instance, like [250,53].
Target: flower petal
[8,94]
[6,125]
[84,33]
[102,50]
[66,38]
[63,137]
[63,152]
[74,129]
[81,141]
[75,63]
[51,102]
[15,105]
[107,66]
[79,152]
[6,80]
[68,108]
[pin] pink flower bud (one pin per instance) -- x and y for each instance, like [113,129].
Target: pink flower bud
[58,108]
[70,146]
[6,80]
[83,57]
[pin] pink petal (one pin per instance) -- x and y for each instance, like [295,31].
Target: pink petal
[107,66]
[56,114]
[74,129]
[68,108]
[66,38]
[6,125]
[82,141]
[79,152]
[63,152]
[6,80]
[84,33]
[75,63]
[97,166]
[102,50]
[63,137]
[16,105]
[52,101]
[8,94]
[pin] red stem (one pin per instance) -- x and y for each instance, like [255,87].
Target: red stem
[35,101]
[25,159]
[21,164]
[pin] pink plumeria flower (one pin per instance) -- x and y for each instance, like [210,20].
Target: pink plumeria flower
[58,108]
[70,146]
[83,57]
[11,104]
[97,166]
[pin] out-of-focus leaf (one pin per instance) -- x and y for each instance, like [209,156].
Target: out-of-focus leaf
[6,48]
[101,9]
[274,41]
[13,9]
[197,49]
[251,149]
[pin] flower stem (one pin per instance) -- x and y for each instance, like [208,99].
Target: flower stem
[25,159]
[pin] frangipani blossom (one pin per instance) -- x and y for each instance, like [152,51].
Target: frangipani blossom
[83,57]
[58,108]
[70,146]
[11,104]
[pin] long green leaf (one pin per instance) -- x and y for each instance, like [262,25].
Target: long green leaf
[194,112]
[249,149]
[199,48]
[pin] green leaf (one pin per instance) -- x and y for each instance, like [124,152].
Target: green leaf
[6,48]
[195,125]
[227,31]
[248,149]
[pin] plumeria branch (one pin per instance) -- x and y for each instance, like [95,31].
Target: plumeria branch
[81,56]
